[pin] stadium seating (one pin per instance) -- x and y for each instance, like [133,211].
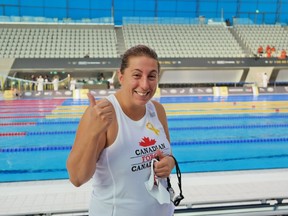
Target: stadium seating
[255,35]
[54,41]
[184,41]
[169,40]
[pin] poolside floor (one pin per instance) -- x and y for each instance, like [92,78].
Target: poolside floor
[199,189]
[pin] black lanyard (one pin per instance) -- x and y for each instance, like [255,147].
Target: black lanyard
[180,197]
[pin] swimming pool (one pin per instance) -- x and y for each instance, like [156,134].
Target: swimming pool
[208,134]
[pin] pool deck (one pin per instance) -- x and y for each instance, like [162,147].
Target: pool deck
[217,188]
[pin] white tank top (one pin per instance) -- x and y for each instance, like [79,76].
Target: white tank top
[122,169]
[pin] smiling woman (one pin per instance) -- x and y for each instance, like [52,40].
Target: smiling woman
[110,134]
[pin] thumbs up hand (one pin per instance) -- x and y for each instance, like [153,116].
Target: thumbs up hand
[101,113]
[164,166]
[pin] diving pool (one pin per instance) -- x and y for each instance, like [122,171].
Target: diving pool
[208,134]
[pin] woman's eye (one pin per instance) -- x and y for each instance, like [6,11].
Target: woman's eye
[136,75]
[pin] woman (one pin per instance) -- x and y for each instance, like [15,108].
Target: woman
[55,83]
[117,139]
[40,83]
[72,84]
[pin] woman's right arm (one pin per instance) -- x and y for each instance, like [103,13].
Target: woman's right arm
[90,140]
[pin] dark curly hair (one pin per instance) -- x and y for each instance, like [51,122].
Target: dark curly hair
[138,50]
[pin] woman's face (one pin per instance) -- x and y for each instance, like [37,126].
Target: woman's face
[139,80]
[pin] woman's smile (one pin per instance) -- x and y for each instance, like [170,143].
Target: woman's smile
[142,93]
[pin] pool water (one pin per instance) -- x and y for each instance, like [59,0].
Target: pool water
[35,141]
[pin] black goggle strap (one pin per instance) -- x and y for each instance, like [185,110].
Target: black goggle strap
[180,197]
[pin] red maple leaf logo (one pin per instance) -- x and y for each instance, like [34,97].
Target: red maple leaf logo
[146,141]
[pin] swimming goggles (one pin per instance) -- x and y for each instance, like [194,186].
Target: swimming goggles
[180,197]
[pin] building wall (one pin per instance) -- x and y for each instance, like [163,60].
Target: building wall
[259,11]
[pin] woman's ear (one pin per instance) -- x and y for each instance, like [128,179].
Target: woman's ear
[120,76]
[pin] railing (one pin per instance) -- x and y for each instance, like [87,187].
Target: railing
[210,84]
[164,20]
[243,208]
[257,207]
[278,83]
[43,20]
[23,84]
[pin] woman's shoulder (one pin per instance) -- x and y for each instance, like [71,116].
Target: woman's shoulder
[159,109]
[157,105]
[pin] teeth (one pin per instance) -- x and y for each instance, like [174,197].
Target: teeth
[142,93]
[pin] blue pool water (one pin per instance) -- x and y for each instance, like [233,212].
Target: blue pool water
[201,143]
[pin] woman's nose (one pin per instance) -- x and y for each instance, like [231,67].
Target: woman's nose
[144,83]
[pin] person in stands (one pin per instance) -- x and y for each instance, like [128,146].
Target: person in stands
[283,54]
[260,51]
